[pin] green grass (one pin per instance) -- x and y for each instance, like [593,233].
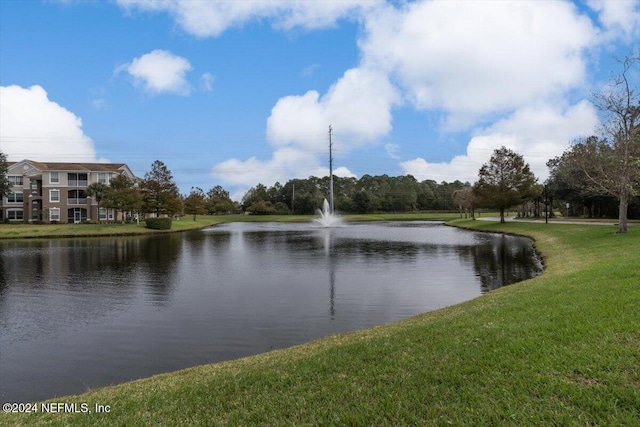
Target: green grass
[560,349]
[27,231]
[412,216]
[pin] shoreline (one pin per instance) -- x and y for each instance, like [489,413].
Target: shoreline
[427,357]
[33,231]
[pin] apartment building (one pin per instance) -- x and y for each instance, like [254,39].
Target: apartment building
[56,192]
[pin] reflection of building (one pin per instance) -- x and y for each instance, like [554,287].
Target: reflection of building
[55,192]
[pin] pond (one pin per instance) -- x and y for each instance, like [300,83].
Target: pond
[77,314]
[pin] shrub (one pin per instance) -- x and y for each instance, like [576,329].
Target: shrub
[159,223]
[262,207]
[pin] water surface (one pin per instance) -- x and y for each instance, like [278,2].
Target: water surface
[83,313]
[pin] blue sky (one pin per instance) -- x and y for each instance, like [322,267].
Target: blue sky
[234,93]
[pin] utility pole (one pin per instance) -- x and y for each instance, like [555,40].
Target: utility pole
[293,197]
[330,171]
[546,202]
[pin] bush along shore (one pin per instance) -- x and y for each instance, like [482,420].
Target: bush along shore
[560,349]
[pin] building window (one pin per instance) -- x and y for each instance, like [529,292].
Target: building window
[76,197]
[54,177]
[15,180]
[54,214]
[15,198]
[15,215]
[104,177]
[78,179]
[54,195]
[106,214]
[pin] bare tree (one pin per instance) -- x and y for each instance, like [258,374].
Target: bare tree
[611,164]
[464,199]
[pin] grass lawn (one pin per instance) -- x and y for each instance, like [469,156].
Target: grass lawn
[560,349]
[26,231]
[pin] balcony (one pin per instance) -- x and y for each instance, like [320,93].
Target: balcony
[77,201]
[78,182]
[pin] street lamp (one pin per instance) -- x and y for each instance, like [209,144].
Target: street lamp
[546,207]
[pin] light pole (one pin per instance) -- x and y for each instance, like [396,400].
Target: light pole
[546,207]
[29,208]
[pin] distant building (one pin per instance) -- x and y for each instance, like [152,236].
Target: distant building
[56,192]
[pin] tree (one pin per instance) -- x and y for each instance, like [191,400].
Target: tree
[98,191]
[504,182]
[612,164]
[568,177]
[255,195]
[122,196]
[465,201]
[194,203]
[5,185]
[159,193]
[218,201]
[426,195]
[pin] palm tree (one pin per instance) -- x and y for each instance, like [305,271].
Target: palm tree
[98,191]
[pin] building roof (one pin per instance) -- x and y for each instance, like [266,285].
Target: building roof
[72,167]
[81,167]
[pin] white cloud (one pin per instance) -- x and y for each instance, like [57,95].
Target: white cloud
[538,134]
[285,164]
[393,150]
[619,18]
[358,107]
[99,104]
[211,18]
[471,59]
[36,128]
[206,82]
[159,72]
[310,70]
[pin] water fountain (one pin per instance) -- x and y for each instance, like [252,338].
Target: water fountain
[327,215]
[328,218]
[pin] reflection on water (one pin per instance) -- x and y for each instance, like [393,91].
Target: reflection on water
[82,313]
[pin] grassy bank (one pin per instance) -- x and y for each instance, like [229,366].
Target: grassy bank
[560,349]
[30,231]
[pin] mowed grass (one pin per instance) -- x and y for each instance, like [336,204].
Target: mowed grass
[560,349]
[27,231]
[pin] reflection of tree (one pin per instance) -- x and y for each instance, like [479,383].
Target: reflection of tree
[3,280]
[194,242]
[160,253]
[69,283]
[379,250]
[502,261]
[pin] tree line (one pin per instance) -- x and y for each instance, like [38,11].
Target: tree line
[596,176]
[368,194]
